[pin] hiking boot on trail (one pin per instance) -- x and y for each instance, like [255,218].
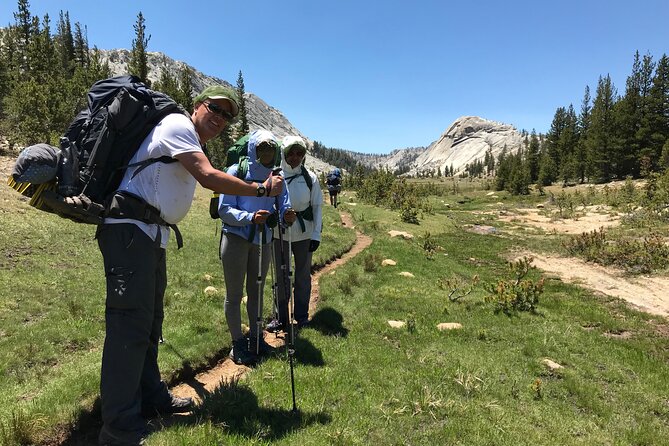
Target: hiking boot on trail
[265,348]
[240,353]
[174,405]
[275,325]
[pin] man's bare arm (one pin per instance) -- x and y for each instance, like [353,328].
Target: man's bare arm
[197,164]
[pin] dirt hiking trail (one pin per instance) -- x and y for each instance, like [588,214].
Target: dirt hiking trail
[226,370]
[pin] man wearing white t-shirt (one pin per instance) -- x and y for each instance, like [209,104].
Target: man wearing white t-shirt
[133,249]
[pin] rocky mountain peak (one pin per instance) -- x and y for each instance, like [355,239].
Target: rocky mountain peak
[259,113]
[467,140]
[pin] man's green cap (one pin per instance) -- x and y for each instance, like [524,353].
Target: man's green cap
[219,92]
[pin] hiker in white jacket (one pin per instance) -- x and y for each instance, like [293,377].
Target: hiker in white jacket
[304,235]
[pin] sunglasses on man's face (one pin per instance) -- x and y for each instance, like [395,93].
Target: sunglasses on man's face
[218,110]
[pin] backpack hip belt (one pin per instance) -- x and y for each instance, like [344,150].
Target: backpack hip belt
[127,205]
[307,214]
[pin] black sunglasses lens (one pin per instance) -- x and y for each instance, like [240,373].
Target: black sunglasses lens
[218,110]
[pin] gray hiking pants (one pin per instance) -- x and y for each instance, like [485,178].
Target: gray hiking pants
[240,260]
[301,270]
[135,270]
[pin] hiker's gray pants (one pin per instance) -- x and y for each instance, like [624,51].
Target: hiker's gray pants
[135,270]
[240,260]
[301,279]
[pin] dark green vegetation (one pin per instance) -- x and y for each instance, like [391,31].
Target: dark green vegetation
[45,74]
[358,380]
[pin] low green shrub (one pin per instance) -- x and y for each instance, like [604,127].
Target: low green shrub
[517,294]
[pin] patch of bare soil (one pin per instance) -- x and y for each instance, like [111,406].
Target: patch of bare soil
[592,218]
[646,293]
[6,165]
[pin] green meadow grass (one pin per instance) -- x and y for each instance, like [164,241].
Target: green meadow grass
[52,312]
[357,380]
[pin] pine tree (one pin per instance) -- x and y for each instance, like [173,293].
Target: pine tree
[628,115]
[81,52]
[138,64]
[185,95]
[503,173]
[519,179]
[532,156]
[584,119]
[5,62]
[24,25]
[658,110]
[167,83]
[601,139]
[644,132]
[568,143]
[548,170]
[96,68]
[243,118]
[552,146]
[64,43]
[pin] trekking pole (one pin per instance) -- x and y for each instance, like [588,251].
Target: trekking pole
[261,233]
[275,285]
[291,302]
[286,291]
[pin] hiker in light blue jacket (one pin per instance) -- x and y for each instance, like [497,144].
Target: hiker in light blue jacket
[245,230]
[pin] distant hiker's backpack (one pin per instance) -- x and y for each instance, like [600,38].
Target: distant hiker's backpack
[96,150]
[333,180]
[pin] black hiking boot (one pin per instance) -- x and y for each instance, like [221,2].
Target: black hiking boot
[265,348]
[275,325]
[174,405]
[240,353]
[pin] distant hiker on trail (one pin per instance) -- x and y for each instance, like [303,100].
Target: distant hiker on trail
[306,198]
[245,246]
[333,181]
[135,260]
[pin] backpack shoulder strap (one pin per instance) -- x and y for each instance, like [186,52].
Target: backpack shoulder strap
[307,177]
[305,173]
[147,162]
[242,167]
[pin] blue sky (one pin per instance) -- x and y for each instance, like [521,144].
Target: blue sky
[373,76]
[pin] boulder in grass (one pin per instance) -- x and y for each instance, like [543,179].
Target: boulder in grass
[210,291]
[449,326]
[397,324]
[551,365]
[207,277]
[404,235]
[406,274]
[388,262]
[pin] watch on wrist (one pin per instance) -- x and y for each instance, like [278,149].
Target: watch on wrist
[261,190]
